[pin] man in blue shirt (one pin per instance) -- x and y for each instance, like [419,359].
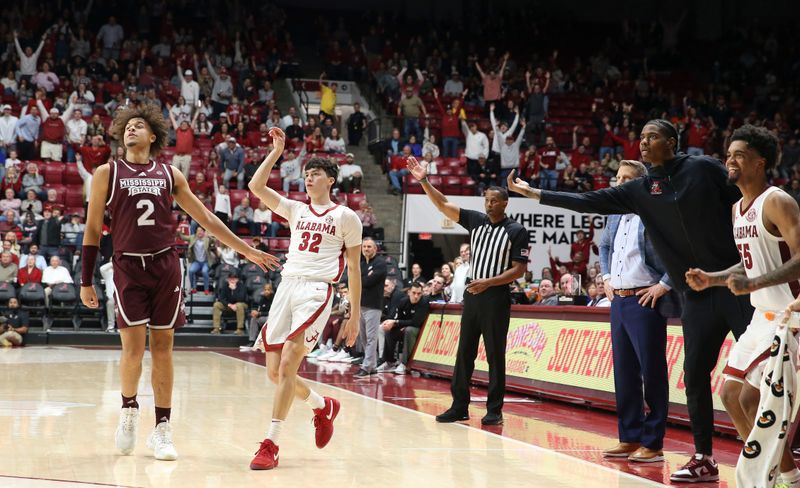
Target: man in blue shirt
[26,132]
[232,161]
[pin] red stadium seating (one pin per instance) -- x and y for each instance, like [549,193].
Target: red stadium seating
[237,195]
[71,175]
[278,244]
[300,196]
[73,196]
[61,190]
[275,181]
[355,199]
[53,173]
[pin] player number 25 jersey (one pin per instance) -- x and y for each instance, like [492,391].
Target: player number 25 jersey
[762,252]
[319,239]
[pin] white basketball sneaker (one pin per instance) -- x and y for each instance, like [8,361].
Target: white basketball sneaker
[125,436]
[160,441]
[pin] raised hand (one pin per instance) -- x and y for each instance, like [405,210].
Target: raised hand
[419,170]
[517,185]
[278,138]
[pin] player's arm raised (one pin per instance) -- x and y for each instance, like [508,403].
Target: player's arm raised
[354,285]
[258,184]
[91,235]
[784,212]
[420,172]
[210,222]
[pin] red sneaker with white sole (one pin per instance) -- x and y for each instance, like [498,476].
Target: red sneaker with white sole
[323,421]
[700,468]
[266,456]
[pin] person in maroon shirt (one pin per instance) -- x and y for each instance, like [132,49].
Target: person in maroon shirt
[548,156]
[52,134]
[696,138]
[260,138]
[451,123]
[630,146]
[202,188]
[139,193]
[95,154]
[29,273]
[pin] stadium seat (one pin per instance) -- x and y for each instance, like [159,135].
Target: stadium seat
[275,181]
[300,196]
[237,195]
[468,186]
[278,245]
[73,196]
[452,185]
[61,190]
[53,173]
[71,175]
[354,200]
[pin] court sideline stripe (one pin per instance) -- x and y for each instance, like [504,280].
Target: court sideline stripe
[65,481]
[492,434]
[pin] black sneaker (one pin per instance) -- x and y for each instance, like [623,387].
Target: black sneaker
[492,419]
[452,415]
[362,374]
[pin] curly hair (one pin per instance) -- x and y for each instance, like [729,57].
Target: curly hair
[329,167]
[152,116]
[761,140]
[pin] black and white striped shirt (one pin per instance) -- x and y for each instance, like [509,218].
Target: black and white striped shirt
[494,247]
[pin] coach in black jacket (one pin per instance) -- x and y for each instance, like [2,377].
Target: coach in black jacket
[231,297]
[685,204]
[373,275]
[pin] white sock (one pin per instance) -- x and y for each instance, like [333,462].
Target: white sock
[792,477]
[314,400]
[275,430]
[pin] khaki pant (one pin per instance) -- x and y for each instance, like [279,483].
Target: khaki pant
[182,162]
[216,314]
[10,338]
[52,151]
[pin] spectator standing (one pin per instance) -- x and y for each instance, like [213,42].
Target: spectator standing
[77,128]
[110,38]
[231,297]
[222,203]
[45,79]
[499,256]
[190,89]
[232,162]
[451,123]
[459,284]
[356,125]
[48,233]
[477,146]
[373,276]
[28,58]
[27,134]
[184,142]
[202,256]
[410,108]
[492,82]
[222,91]
[8,125]
[53,133]
[327,99]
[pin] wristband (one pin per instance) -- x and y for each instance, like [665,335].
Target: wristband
[88,261]
[424,179]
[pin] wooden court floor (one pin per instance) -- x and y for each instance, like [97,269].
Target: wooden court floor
[59,408]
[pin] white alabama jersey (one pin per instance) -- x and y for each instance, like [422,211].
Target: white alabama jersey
[762,252]
[319,239]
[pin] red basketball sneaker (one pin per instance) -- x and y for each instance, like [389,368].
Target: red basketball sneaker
[323,421]
[266,456]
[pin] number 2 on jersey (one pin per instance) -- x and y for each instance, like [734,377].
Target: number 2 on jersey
[143,219]
[312,246]
[747,258]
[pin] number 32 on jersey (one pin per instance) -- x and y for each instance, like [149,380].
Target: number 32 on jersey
[310,241]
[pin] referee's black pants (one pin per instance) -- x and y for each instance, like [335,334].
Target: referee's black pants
[707,318]
[486,314]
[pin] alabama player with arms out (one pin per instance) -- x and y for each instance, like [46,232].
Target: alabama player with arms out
[139,193]
[324,236]
[766,228]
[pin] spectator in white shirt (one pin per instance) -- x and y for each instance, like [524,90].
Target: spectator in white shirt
[262,218]
[287,119]
[110,36]
[28,58]
[182,111]
[292,170]
[77,129]
[477,146]
[7,124]
[9,83]
[222,203]
[55,274]
[85,176]
[83,99]
[190,89]
[335,143]
[350,175]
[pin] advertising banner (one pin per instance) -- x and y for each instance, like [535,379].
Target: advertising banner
[570,356]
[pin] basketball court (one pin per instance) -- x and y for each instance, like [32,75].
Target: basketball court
[59,407]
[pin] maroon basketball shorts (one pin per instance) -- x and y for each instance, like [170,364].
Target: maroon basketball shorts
[148,290]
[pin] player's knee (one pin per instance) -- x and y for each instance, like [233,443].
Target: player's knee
[730,394]
[748,399]
[272,374]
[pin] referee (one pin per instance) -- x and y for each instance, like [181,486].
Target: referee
[499,256]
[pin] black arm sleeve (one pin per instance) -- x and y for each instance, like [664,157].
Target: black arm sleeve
[608,201]
[469,219]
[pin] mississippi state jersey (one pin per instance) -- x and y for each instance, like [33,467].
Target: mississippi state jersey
[761,253]
[319,239]
[140,202]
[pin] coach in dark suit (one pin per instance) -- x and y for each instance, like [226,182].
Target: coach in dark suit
[632,270]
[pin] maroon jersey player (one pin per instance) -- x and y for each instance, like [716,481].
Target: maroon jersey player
[138,193]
